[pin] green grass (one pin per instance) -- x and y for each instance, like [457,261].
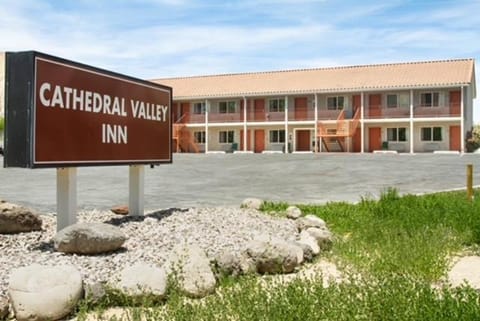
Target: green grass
[393,298]
[399,245]
[2,124]
[409,235]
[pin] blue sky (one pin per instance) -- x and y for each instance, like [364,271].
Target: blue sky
[165,38]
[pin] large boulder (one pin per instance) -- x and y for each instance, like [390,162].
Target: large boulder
[89,238]
[252,203]
[293,212]
[272,255]
[310,221]
[141,279]
[18,219]
[44,292]
[323,237]
[190,268]
[234,263]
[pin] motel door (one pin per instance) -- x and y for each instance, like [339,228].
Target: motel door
[185,109]
[455,138]
[375,105]
[374,139]
[259,105]
[357,104]
[259,140]
[303,140]
[455,103]
[301,108]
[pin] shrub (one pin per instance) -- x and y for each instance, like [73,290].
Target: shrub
[473,139]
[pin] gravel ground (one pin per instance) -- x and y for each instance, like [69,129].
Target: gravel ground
[150,239]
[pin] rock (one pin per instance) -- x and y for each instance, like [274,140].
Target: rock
[298,250]
[17,219]
[95,292]
[324,237]
[189,266]
[89,238]
[307,251]
[308,240]
[142,278]
[252,203]
[4,308]
[273,255]
[120,209]
[310,221]
[465,270]
[293,212]
[237,263]
[44,292]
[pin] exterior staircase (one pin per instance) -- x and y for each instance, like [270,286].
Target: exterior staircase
[335,140]
[183,140]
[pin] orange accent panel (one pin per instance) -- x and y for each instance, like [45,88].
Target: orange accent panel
[455,143]
[259,140]
[303,140]
[357,142]
[249,141]
[301,108]
[242,108]
[357,103]
[259,105]
[455,98]
[374,138]
[375,105]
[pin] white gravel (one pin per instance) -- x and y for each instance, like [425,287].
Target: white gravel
[150,239]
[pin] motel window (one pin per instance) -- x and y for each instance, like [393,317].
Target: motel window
[276,105]
[199,137]
[431,134]
[226,137]
[199,108]
[335,103]
[429,99]
[392,101]
[277,136]
[398,100]
[227,107]
[397,134]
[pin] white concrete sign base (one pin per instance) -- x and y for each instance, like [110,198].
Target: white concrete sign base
[136,189]
[66,197]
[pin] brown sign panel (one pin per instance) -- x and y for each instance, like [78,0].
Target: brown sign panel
[82,116]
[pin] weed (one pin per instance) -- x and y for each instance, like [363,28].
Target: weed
[400,244]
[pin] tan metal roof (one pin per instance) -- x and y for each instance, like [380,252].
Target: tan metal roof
[445,73]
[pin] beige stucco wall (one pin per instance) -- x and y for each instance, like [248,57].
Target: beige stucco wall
[419,145]
[431,146]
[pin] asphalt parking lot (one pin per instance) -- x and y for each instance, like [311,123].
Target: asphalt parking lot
[226,179]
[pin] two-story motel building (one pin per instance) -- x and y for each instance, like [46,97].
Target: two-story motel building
[403,107]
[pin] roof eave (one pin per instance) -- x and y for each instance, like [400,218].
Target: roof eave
[324,91]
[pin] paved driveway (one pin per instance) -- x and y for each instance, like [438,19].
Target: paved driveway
[213,179]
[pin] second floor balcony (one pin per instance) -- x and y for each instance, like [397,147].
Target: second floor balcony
[308,114]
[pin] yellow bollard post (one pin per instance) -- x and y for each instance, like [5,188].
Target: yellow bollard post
[470,182]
